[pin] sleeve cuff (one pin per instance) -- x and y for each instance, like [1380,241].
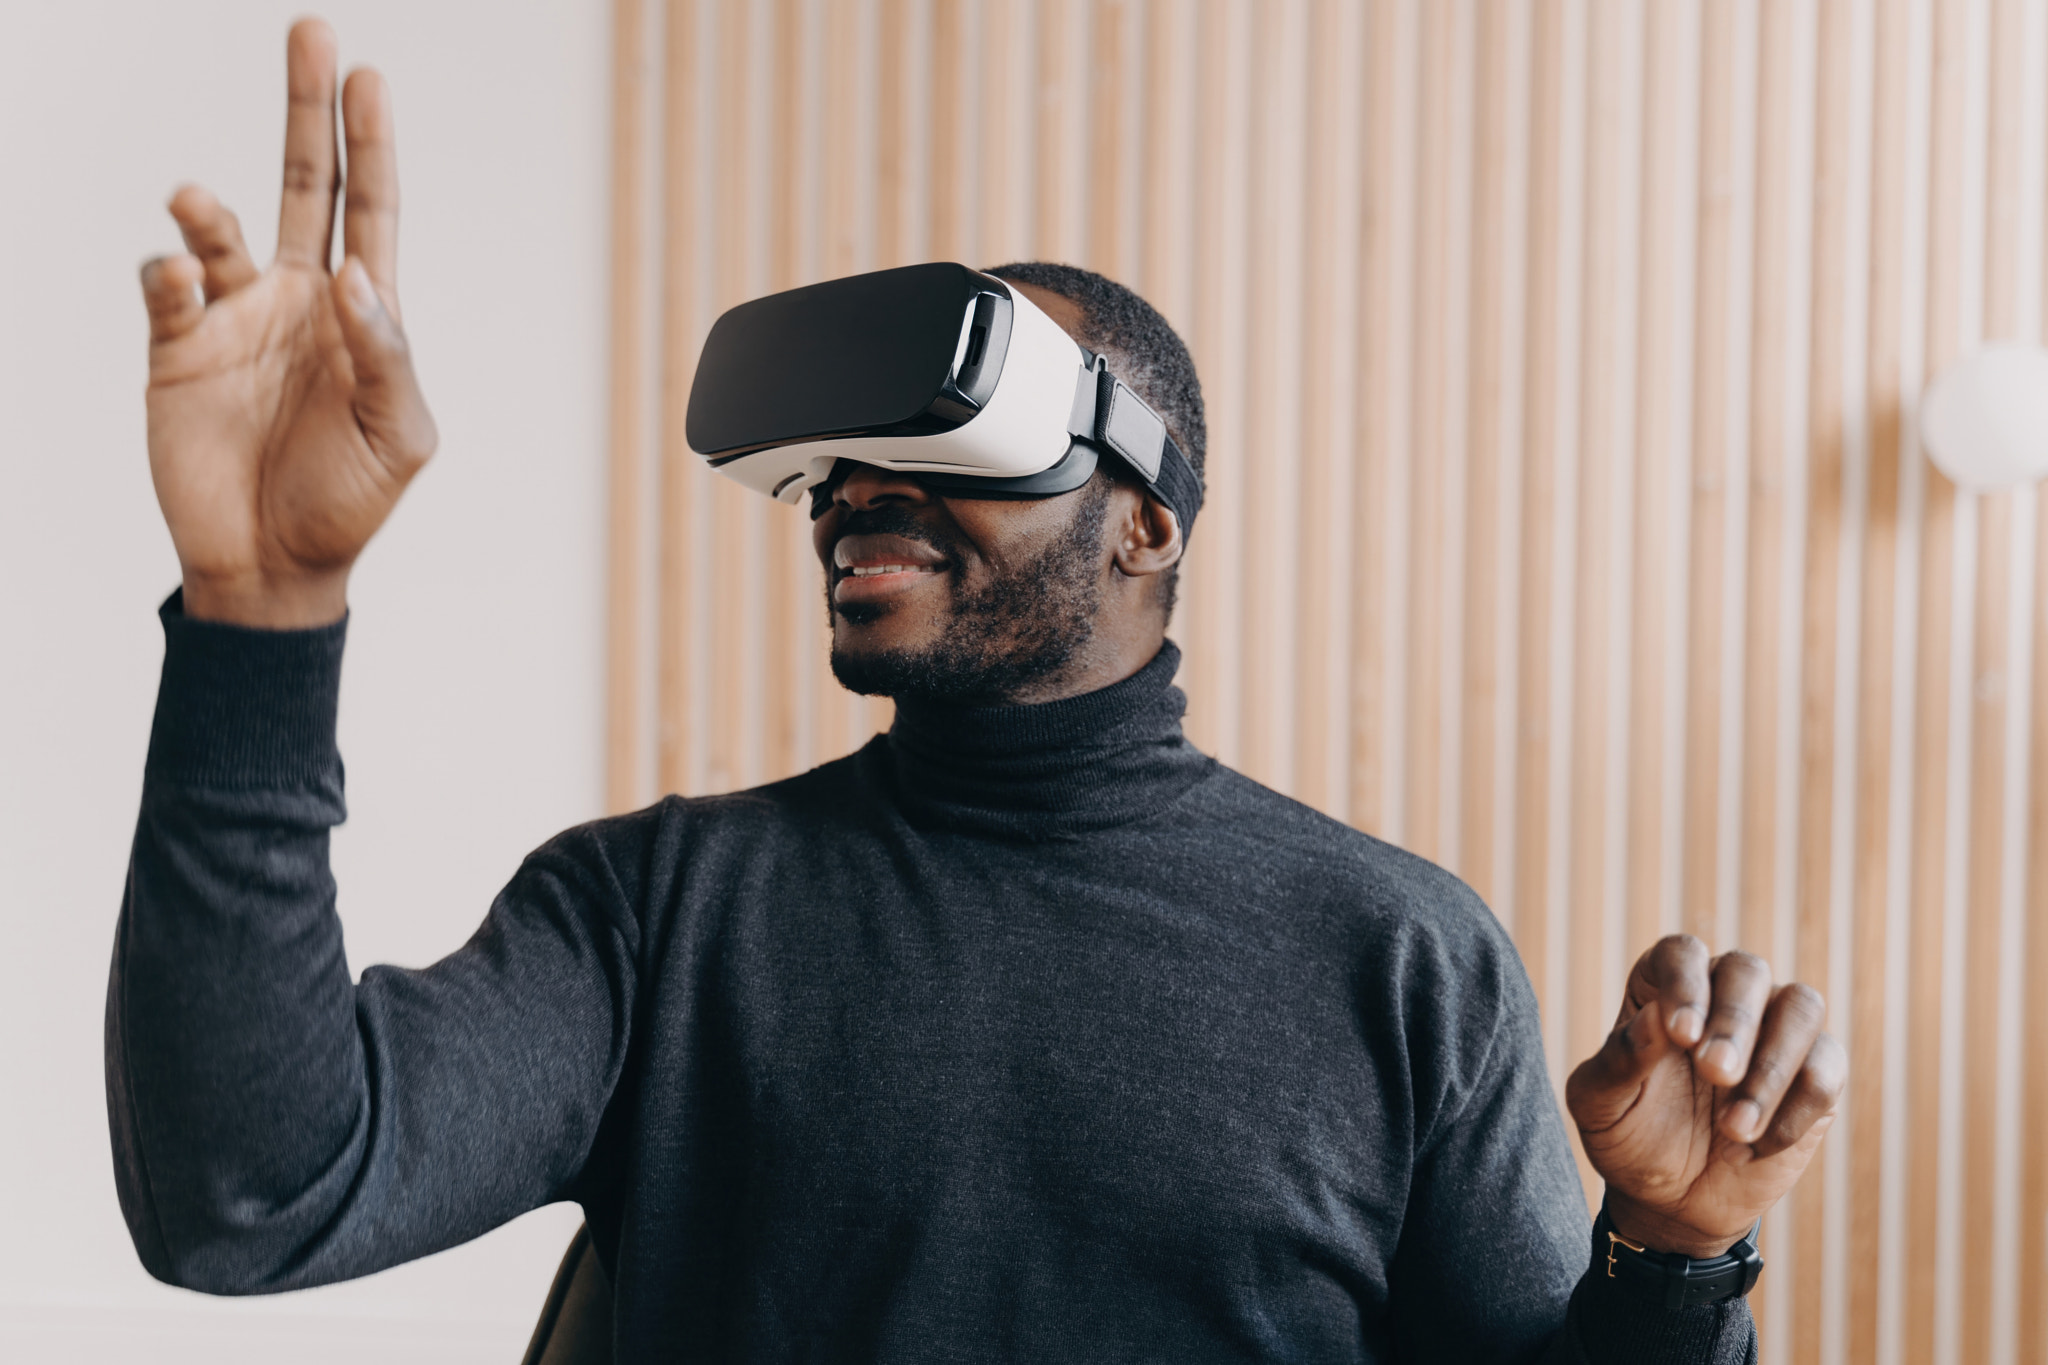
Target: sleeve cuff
[245,708]
[1615,1321]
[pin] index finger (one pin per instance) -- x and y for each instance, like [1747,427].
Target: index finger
[369,220]
[305,220]
[1673,976]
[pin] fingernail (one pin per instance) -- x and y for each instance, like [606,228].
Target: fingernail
[1687,1023]
[1745,1118]
[1720,1056]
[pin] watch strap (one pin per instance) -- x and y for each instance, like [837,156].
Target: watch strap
[1681,1281]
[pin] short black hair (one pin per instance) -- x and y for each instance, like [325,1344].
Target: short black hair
[1142,349]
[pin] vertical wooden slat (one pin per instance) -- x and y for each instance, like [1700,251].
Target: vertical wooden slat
[624,745]
[1845,990]
[1215,583]
[1826,456]
[1867,1310]
[1115,100]
[844,207]
[897,139]
[1988,1216]
[787,584]
[952,130]
[1719,396]
[1929,1157]
[1010,97]
[1272,435]
[736,610]
[1169,50]
[1380,601]
[1657,546]
[1165,270]
[1773,466]
[679,754]
[821,703]
[1542,923]
[1604,498]
[1328,372]
[1499,289]
[891,76]
[2032,1269]
[1437,507]
[2017,250]
[1990,668]
[1263,658]
[1063,108]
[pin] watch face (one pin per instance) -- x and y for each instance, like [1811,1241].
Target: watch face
[868,353]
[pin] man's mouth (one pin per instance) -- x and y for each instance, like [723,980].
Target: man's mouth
[870,568]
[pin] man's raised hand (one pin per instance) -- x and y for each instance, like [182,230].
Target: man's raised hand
[284,416]
[1708,1099]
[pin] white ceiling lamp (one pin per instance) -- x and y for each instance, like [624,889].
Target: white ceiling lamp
[1984,420]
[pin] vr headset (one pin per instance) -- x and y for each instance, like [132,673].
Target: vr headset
[935,370]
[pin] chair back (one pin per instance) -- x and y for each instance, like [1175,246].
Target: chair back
[575,1326]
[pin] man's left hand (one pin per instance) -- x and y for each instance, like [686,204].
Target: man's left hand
[1708,1099]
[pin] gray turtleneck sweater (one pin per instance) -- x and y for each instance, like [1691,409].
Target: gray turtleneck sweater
[1024,1033]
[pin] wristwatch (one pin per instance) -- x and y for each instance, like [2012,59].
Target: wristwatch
[1685,1282]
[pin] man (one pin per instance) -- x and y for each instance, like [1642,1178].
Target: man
[1026,1032]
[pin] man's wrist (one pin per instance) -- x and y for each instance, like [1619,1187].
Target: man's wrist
[241,708]
[1648,1230]
[259,603]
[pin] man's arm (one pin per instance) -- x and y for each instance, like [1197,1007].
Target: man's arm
[276,1125]
[1493,1263]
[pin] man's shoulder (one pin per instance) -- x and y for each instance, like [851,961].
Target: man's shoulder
[677,826]
[1341,865]
[828,792]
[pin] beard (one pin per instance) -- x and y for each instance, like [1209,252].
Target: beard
[1001,637]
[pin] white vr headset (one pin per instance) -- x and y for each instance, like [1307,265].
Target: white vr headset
[938,371]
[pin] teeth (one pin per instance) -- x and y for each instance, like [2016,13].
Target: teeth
[870,570]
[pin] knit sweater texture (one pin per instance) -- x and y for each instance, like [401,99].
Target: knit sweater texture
[1025,1033]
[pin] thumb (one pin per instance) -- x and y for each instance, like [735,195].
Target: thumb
[1605,1086]
[388,403]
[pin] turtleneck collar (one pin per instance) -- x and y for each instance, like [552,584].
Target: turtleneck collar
[1052,770]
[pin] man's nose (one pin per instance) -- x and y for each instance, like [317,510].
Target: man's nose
[867,486]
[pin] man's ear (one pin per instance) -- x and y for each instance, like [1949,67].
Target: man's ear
[1148,538]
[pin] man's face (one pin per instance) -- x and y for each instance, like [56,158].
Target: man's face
[962,599]
[977,598]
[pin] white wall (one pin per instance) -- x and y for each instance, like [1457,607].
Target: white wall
[471,713]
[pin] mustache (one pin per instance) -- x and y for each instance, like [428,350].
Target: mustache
[890,519]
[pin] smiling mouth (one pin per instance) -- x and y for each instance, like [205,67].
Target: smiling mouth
[863,588]
[876,570]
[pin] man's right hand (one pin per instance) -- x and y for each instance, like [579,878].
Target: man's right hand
[284,416]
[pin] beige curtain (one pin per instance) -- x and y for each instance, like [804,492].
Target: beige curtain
[1566,523]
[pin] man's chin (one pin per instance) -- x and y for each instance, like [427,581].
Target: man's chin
[876,651]
[873,673]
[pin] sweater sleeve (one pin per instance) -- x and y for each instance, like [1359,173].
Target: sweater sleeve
[1493,1260]
[276,1125]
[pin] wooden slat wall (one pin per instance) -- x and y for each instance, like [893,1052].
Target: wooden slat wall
[1567,520]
